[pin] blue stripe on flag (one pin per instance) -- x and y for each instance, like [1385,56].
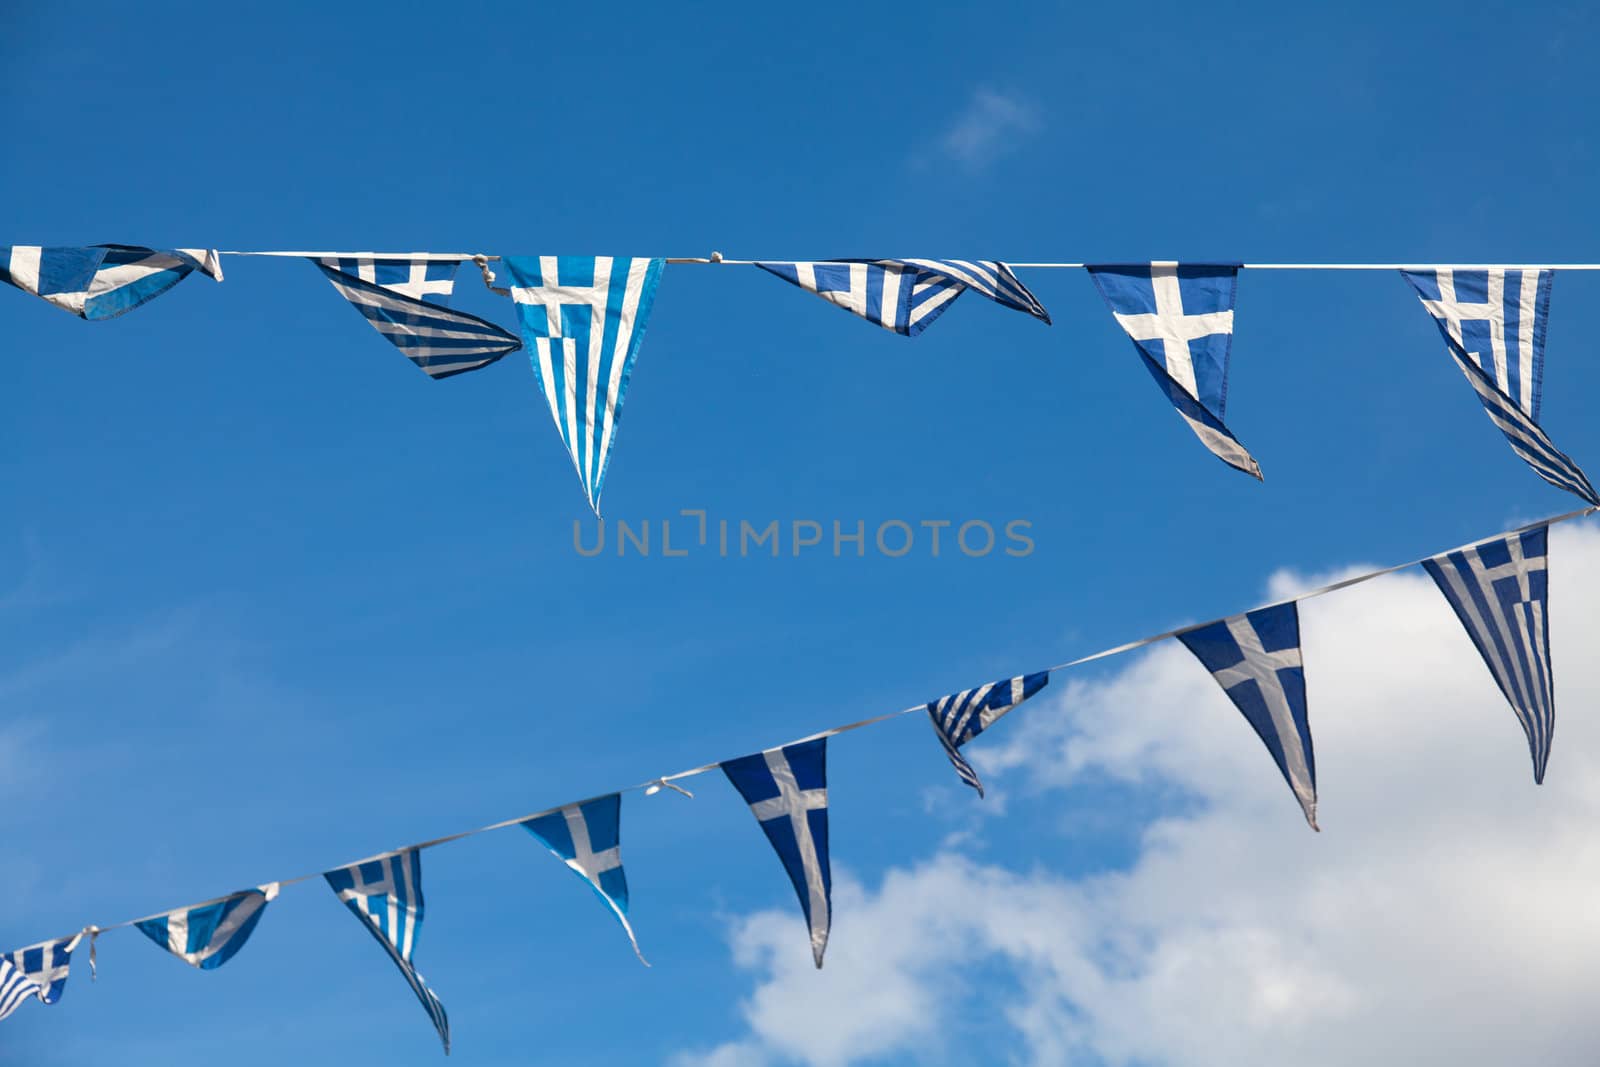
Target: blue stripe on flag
[960,717]
[1499,591]
[561,301]
[440,341]
[386,895]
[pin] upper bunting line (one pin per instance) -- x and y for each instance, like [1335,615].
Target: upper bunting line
[717,259]
[653,785]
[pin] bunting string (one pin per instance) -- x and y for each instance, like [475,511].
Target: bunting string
[654,785]
[717,259]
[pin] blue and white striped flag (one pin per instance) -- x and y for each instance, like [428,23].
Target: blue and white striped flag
[787,789]
[584,317]
[407,299]
[962,716]
[1255,657]
[905,295]
[46,966]
[101,281]
[587,837]
[1500,592]
[386,895]
[1180,318]
[15,987]
[1493,322]
[208,935]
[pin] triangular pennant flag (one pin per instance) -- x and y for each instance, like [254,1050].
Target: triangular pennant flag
[1180,318]
[386,895]
[407,301]
[960,717]
[101,281]
[583,318]
[906,295]
[208,935]
[787,790]
[1255,657]
[1500,592]
[1493,323]
[45,965]
[588,838]
[15,987]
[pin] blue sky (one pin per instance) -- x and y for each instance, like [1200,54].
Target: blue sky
[275,601]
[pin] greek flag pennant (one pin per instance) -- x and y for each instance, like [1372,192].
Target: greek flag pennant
[1493,323]
[101,281]
[44,966]
[960,717]
[1255,657]
[787,790]
[584,318]
[208,935]
[1180,318]
[15,987]
[906,295]
[386,895]
[1500,592]
[587,837]
[407,301]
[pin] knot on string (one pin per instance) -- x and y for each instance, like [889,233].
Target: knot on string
[488,275]
[661,783]
[716,257]
[94,934]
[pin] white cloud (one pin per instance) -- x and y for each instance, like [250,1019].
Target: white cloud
[1447,914]
[990,125]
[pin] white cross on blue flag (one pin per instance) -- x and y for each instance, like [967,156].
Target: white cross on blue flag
[1500,592]
[407,301]
[584,317]
[1255,657]
[587,837]
[208,935]
[1180,318]
[1493,323]
[787,790]
[46,965]
[962,716]
[386,895]
[906,295]
[101,281]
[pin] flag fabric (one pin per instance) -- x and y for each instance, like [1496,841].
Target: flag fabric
[584,318]
[101,281]
[787,790]
[1500,592]
[15,987]
[1255,657]
[208,935]
[1180,318]
[905,295]
[386,895]
[1493,323]
[588,838]
[962,716]
[45,965]
[407,301]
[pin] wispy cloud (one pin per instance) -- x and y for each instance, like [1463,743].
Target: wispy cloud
[990,125]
